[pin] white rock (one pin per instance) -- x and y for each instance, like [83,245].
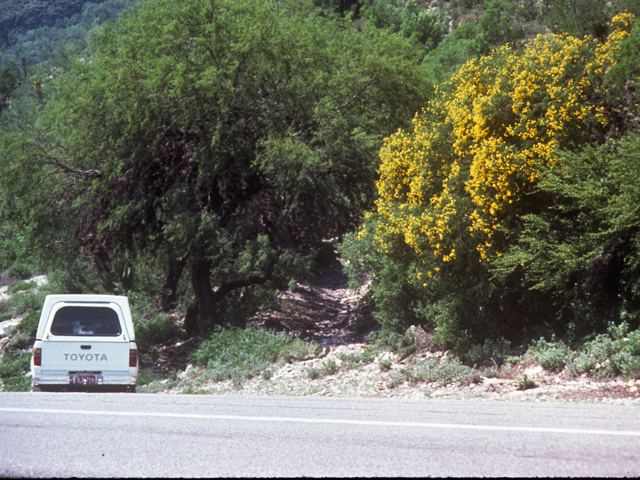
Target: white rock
[7,325]
[533,370]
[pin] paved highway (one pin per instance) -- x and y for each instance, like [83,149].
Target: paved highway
[145,435]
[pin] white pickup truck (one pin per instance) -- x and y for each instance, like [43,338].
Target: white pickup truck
[85,342]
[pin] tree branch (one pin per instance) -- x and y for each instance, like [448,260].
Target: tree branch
[90,174]
[227,287]
[347,102]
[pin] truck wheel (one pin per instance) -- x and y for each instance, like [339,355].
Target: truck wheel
[36,388]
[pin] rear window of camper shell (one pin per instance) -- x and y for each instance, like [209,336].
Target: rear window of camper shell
[86,321]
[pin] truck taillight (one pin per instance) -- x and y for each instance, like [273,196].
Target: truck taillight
[37,357]
[133,357]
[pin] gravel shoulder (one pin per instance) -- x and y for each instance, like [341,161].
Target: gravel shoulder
[370,381]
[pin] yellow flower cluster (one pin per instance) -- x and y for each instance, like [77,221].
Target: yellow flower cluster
[481,145]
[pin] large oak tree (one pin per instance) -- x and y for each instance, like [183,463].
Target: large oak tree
[228,137]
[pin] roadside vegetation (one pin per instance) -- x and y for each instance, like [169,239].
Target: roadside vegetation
[410,360]
[240,354]
[476,164]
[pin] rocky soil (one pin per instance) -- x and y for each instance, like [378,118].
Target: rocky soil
[7,325]
[370,381]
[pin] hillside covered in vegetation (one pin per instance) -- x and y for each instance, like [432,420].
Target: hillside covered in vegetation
[474,163]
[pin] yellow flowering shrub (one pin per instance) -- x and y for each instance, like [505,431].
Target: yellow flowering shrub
[481,146]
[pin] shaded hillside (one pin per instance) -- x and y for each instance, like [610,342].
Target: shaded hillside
[18,16]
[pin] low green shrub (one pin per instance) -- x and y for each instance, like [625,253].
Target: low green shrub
[397,379]
[147,376]
[615,353]
[455,370]
[555,359]
[523,382]
[13,370]
[426,370]
[429,370]
[412,340]
[312,373]
[389,340]
[626,364]
[191,390]
[21,303]
[552,356]
[352,360]
[16,287]
[583,363]
[608,355]
[240,354]
[369,354]
[17,342]
[20,271]
[329,367]
[491,353]
[29,324]
[156,329]
[490,372]
[385,364]
[152,383]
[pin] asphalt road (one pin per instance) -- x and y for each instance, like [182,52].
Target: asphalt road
[145,435]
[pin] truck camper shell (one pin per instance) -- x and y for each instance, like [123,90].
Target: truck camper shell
[85,342]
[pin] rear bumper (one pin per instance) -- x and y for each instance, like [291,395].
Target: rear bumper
[62,378]
[81,388]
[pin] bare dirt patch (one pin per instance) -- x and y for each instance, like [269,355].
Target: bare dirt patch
[322,309]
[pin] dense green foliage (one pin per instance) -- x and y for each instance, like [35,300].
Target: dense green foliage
[411,19]
[579,257]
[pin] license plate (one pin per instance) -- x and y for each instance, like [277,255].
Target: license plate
[84,379]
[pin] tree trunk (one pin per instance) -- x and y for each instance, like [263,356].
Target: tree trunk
[169,294]
[203,310]
[191,321]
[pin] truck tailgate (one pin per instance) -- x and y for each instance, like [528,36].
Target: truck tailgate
[85,355]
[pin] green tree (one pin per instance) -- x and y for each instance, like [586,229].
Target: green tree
[412,19]
[10,75]
[581,254]
[502,23]
[340,6]
[584,17]
[229,138]
[36,29]
[457,48]
[383,13]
